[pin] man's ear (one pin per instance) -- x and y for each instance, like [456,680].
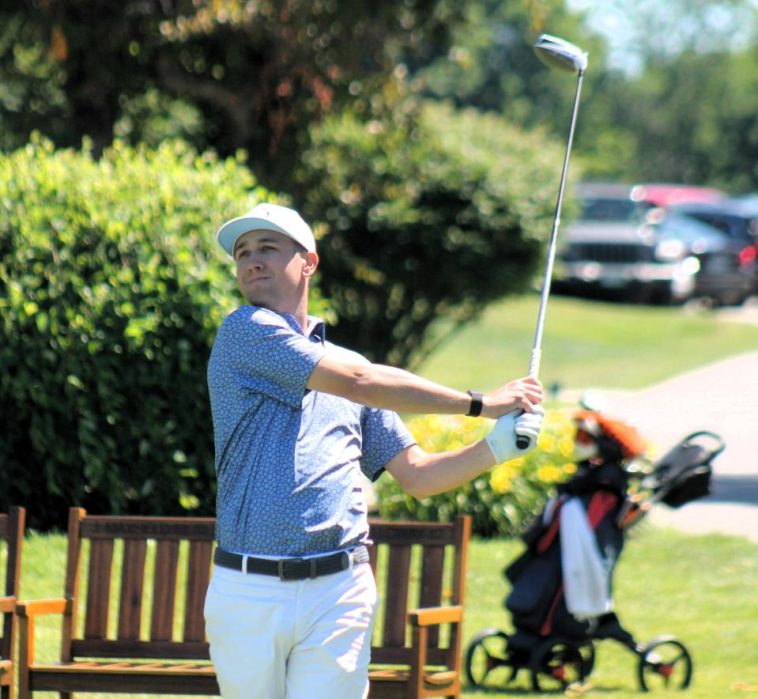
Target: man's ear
[311,264]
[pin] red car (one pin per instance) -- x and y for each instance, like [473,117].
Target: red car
[671,194]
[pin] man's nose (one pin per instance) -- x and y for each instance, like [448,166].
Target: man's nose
[253,262]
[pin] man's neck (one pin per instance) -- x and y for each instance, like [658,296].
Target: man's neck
[301,316]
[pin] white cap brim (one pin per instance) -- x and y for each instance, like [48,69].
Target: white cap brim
[282,220]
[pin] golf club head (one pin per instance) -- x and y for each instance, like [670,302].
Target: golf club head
[561,54]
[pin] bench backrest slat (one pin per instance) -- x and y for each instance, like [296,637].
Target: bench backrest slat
[198,577]
[98,595]
[432,566]
[132,587]
[11,537]
[396,603]
[168,650]
[164,590]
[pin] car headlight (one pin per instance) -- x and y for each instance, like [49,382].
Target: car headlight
[670,250]
[690,267]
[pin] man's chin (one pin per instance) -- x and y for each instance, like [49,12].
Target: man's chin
[253,296]
[260,300]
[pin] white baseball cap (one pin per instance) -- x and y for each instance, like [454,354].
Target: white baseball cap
[268,217]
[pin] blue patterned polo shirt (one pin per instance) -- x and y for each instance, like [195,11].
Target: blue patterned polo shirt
[288,459]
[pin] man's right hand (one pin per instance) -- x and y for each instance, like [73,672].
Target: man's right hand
[523,394]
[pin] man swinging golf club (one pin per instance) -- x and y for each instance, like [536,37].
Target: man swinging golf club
[290,607]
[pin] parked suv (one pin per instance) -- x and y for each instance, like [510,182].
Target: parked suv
[625,244]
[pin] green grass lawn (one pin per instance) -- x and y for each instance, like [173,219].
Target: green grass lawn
[700,588]
[586,344]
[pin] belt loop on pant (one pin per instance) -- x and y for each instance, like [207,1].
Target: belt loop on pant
[244,562]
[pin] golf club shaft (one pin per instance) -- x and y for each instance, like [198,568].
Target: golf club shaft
[534,361]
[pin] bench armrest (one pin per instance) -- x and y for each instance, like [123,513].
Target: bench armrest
[7,604]
[431,616]
[27,611]
[29,608]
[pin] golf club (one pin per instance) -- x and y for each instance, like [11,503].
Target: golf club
[560,54]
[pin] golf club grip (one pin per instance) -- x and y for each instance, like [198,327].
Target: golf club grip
[522,440]
[535,359]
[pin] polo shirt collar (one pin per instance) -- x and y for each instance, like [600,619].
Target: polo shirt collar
[316,329]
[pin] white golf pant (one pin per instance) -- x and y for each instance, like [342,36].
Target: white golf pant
[273,639]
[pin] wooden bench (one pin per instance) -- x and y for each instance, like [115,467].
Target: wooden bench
[12,534]
[134,621]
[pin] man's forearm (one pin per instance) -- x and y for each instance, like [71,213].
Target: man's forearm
[384,386]
[423,474]
[378,386]
[381,386]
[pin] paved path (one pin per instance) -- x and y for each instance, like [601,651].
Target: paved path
[722,398]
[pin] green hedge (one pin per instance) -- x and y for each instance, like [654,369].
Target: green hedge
[111,291]
[502,500]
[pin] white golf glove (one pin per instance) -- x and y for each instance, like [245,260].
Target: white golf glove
[502,439]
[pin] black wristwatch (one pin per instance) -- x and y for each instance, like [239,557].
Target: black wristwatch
[477,403]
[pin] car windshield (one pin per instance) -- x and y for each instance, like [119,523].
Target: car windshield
[730,216]
[609,209]
[689,230]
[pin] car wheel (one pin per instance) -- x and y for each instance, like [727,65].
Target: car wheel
[736,299]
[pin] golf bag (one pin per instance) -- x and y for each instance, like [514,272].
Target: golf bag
[538,600]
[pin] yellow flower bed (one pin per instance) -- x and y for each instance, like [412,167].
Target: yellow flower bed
[501,500]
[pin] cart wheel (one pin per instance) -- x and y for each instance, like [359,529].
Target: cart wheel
[487,659]
[665,663]
[557,663]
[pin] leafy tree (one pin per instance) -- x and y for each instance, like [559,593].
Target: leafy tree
[230,74]
[32,84]
[684,107]
[425,216]
[693,119]
[256,74]
[491,64]
[112,288]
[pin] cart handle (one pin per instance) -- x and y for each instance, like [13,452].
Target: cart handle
[721,445]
